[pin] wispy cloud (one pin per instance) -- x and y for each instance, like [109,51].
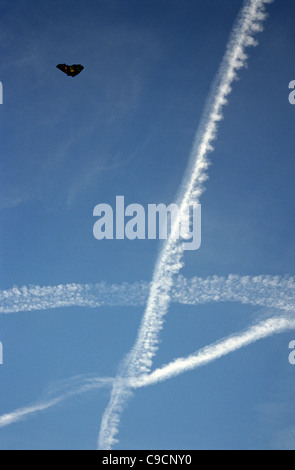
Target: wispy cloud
[13,198]
[170,261]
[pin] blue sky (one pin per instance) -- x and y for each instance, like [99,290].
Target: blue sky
[125,126]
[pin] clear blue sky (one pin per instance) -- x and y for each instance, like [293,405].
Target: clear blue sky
[125,126]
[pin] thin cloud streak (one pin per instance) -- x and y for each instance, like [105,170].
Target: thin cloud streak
[86,385]
[139,360]
[22,413]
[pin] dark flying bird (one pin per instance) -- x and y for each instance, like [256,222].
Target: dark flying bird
[70,70]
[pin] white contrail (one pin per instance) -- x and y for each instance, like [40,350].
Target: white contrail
[217,350]
[81,386]
[21,413]
[31,298]
[170,261]
[274,292]
[266,291]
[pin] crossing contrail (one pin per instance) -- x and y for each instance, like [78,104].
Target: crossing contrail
[211,353]
[265,291]
[170,261]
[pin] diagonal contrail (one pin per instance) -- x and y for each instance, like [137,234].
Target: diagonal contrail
[217,350]
[170,261]
[84,386]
